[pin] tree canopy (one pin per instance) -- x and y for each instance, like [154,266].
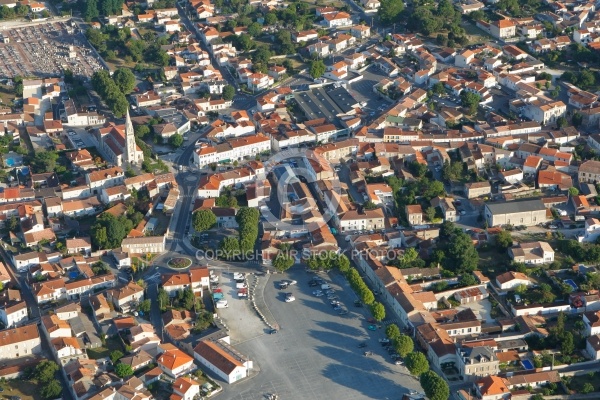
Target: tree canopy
[316,68]
[378,311]
[417,363]
[403,344]
[390,10]
[203,220]
[470,101]
[283,262]
[109,231]
[124,79]
[176,140]
[435,387]
[228,93]
[123,370]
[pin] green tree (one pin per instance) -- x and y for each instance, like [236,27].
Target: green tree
[561,122]
[176,140]
[52,389]
[44,372]
[430,213]
[577,119]
[228,93]
[587,388]
[230,247]
[416,363]
[254,29]
[378,311]
[124,79]
[283,262]
[44,161]
[467,280]
[203,220]
[91,10]
[116,355]
[270,18]
[390,10]
[317,68]
[145,306]
[141,131]
[573,191]
[123,370]
[470,101]
[404,345]
[392,331]
[567,345]
[438,88]
[409,256]
[435,387]
[109,231]
[163,299]
[460,254]
[188,299]
[343,263]
[504,240]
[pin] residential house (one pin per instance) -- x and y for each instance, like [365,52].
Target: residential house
[477,362]
[197,279]
[175,362]
[510,280]
[123,297]
[414,214]
[23,341]
[220,359]
[532,253]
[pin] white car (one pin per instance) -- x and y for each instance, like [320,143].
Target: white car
[289,299]
[462,212]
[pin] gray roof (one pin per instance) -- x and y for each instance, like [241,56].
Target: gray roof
[511,207]
[479,353]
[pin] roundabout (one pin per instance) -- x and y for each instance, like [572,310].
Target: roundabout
[179,262]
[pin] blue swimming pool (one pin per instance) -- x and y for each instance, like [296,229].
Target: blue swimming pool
[571,283]
[527,364]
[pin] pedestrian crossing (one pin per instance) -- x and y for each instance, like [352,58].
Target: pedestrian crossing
[391,321]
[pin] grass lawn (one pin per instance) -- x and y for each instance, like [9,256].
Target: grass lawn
[475,34]
[493,263]
[7,95]
[101,352]
[27,390]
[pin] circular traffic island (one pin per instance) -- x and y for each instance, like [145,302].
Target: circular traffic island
[179,262]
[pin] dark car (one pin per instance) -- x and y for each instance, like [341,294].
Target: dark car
[283,285]
[313,283]
[273,331]
[358,303]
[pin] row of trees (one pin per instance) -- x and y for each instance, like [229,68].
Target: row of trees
[434,386]
[94,8]
[240,247]
[203,220]
[110,92]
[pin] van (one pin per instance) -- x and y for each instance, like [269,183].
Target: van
[222,304]
[325,286]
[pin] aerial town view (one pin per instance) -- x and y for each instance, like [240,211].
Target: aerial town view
[299,199]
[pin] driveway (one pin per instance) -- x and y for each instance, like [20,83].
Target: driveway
[315,355]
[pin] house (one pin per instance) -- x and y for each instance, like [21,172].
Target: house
[448,209]
[337,19]
[186,388]
[592,346]
[123,297]
[23,341]
[196,278]
[175,362]
[492,387]
[471,295]
[66,349]
[55,327]
[220,359]
[591,322]
[414,214]
[521,212]
[510,280]
[79,246]
[504,28]
[512,175]
[13,309]
[589,172]
[367,220]
[477,189]
[144,245]
[137,360]
[477,362]
[532,253]
[592,230]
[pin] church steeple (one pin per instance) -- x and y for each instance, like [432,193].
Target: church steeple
[130,147]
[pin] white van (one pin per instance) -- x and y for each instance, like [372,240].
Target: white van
[222,304]
[325,286]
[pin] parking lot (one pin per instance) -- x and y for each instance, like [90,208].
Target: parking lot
[46,50]
[363,89]
[315,354]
